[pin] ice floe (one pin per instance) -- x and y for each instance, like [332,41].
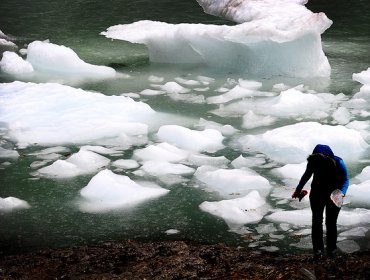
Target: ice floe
[238,211]
[81,163]
[49,114]
[108,191]
[231,182]
[293,143]
[209,140]
[12,203]
[13,64]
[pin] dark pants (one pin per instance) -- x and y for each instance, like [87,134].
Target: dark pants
[318,203]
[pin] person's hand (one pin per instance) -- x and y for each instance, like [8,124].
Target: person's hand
[295,194]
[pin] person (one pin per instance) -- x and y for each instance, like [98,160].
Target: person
[329,173]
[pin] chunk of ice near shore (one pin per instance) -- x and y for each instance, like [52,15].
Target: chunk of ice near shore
[238,211]
[108,191]
[273,38]
[12,203]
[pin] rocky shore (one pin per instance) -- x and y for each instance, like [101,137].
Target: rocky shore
[178,260]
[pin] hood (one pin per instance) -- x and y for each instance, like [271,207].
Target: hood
[323,149]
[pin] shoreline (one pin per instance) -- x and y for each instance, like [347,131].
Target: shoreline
[132,259]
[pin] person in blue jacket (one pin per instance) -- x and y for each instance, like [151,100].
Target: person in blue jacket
[329,173]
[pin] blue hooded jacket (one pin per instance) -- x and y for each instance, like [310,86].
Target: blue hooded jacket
[341,182]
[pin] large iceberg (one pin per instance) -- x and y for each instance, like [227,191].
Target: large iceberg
[273,38]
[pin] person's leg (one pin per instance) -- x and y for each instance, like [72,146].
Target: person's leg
[317,208]
[332,212]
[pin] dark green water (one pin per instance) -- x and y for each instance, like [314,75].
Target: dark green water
[54,219]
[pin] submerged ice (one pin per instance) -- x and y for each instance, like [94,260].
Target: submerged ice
[273,38]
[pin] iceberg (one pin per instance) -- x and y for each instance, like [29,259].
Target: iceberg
[293,143]
[232,181]
[273,38]
[359,195]
[83,162]
[238,211]
[13,64]
[108,191]
[51,114]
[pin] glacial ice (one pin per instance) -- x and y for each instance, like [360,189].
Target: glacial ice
[126,163]
[209,140]
[363,78]
[364,175]
[231,182]
[83,162]
[6,153]
[108,191]
[162,152]
[273,38]
[238,211]
[50,114]
[359,194]
[12,203]
[13,64]
[160,168]
[293,143]
[50,57]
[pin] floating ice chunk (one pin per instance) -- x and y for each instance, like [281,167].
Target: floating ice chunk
[101,150]
[6,44]
[342,116]
[107,191]
[251,120]
[236,93]
[46,56]
[239,211]
[160,168]
[13,64]
[161,152]
[348,246]
[12,203]
[291,171]
[265,228]
[209,140]
[172,231]
[126,163]
[241,161]
[57,114]
[83,162]
[5,153]
[355,232]
[232,181]
[293,143]
[187,82]
[173,88]
[359,195]
[155,79]
[352,217]
[363,78]
[52,150]
[224,129]
[152,92]
[364,175]
[200,160]
[301,217]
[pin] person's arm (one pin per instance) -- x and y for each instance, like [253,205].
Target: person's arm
[345,180]
[305,177]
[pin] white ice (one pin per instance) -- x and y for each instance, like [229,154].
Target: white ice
[51,114]
[126,163]
[209,140]
[231,182]
[49,57]
[6,153]
[293,143]
[12,203]
[275,38]
[363,78]
[359,194]
[161,152]
[347,217]
[108,191]
[239,211]
[81,163]
[364,175]
[160,168]
[13,64]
